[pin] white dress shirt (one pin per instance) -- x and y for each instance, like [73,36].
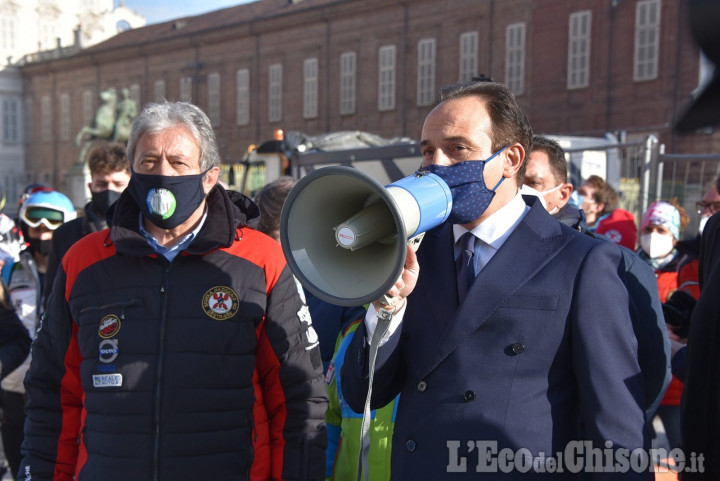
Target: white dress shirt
[490,235]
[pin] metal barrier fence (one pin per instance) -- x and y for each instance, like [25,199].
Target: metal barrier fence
[648,174]
[639,170]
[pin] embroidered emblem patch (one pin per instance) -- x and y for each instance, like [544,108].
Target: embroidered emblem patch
[220,303]
[109,326]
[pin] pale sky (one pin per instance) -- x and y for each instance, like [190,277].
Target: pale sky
[156,11]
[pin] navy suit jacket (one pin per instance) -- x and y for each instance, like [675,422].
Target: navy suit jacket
[541,352]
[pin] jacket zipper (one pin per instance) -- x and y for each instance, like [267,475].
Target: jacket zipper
[159,372]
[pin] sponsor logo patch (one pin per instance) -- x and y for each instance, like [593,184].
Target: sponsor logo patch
[108,350]
[107,380]
[220,303]
[109,326]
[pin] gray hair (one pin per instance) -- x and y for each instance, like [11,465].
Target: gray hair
[156,118]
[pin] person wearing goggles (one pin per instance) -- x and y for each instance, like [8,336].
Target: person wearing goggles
[41,213]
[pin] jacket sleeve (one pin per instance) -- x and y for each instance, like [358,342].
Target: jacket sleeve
[52,427]
[604,355]
[14,338]
[295,397]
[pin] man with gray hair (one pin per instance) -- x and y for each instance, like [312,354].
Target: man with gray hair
[176,346]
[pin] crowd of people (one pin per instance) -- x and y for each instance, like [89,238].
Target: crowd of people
[171,341]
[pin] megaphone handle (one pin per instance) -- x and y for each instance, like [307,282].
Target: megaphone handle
[383,323]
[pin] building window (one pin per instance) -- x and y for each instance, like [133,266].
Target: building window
[46,118]
[88,106]
[515,57]
[647,39]
[10,120]
[578,73]
[185,89]
[7,35]
[468,56]
[426,72]
[65,117]
[347,83]
[213,101]
[275,92]
[386,78]
[242,99]
[310,88]
[160,91]
[28,120]
[135,93]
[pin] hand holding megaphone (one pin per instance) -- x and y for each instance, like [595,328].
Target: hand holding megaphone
[395,297]
[345,236]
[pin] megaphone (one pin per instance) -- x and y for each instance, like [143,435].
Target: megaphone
[344,235]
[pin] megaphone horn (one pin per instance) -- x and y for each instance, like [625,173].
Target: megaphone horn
[344,235]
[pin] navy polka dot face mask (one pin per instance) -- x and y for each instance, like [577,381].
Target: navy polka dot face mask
[470,195]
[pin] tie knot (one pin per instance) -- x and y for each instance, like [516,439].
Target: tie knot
[467,242]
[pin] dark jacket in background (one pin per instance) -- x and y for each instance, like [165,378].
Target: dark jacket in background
[701,397]
[14,338]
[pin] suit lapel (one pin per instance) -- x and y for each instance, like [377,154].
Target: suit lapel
[438,288]
[534,242]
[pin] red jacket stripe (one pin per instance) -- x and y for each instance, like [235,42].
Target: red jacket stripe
[71,399]
[268,368]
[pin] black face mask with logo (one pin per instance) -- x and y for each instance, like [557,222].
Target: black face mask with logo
[167,201]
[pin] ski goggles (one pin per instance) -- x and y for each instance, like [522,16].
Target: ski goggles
[34,216]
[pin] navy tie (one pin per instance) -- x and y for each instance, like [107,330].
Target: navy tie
[464,264]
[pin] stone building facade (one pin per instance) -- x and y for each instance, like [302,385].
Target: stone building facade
[579,67]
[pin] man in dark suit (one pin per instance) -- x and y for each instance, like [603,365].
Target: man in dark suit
[537,354]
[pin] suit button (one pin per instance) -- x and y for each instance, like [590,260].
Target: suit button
[410,445]
[422,386]
[469,395]
[518,348]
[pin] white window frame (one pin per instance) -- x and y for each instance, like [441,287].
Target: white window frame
[186,89]
[10,120]
[242,97]
[7,36]
[426,72]
[515,57]
[159,91]
[64,116]
[310,88]
[88,106]
[386,78]
[647,40]
[27,120]
[578,63]
[213,100]
[468,62]
[46,118]
[275,92]
[348,79]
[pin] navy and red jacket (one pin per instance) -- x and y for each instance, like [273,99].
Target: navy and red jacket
[206,367]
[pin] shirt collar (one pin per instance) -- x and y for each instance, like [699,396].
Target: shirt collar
[494,230]
[169,253]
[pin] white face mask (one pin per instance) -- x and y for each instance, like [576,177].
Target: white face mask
[703,221]
[656,245]
[527,190]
